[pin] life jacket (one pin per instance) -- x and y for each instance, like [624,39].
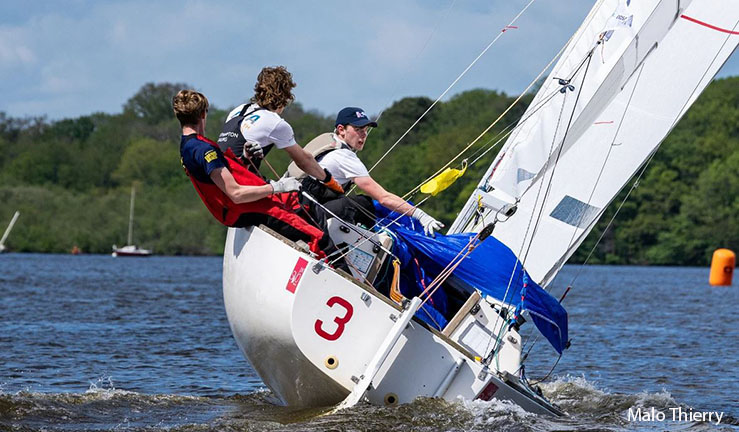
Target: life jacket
[319,147]
[279,206]
[232,138]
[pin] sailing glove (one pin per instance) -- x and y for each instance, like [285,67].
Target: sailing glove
[253,150]
[429,223]
[331,183]
[285,184]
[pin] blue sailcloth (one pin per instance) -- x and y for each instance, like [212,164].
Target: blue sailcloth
[492,268]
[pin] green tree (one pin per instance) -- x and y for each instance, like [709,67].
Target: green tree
[153,102]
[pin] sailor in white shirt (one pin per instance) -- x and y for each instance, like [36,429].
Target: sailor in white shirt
[252,130]
[346,168]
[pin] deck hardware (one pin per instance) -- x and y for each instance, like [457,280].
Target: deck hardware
[344,229]
[393,317]
[365,297]
[317,267]
[447,381]
[512,340]
[483,374]
[354,379]
[331,362]
[391,399]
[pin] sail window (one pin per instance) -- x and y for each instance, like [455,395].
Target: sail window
[575,212]
[523,175]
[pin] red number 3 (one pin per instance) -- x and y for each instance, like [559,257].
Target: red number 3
[340,321]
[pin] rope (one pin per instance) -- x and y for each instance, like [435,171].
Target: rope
[526,233]
[634,185]
[538,217]
[525,91]
[464,72]
[351,247]
[449,269]
[508,130]
[608,154]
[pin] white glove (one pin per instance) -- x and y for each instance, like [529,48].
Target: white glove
[253,150]
[285,184]
[429,224]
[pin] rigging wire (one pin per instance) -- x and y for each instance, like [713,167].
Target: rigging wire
[521,95]
[506,132]
[634,185]
[538,217]
[608,154]
[672,126]
[592,192]
[464,72]
[499,319]
[473,142]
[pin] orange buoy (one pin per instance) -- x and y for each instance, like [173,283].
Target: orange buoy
[722,267]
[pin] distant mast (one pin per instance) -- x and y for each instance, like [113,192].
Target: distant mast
[130,216]
[8,229]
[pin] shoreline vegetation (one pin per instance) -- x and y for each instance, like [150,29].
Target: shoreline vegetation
[71,178]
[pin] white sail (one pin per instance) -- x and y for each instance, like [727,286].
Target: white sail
[636,67]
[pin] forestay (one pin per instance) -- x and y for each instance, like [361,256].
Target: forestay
[630,73]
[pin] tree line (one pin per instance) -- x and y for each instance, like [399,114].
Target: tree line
[71,178]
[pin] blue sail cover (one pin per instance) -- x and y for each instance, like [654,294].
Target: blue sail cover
[488,268]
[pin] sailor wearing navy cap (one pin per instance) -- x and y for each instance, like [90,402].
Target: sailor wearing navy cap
[352,125]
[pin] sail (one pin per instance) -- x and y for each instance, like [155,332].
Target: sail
[629,74]
[503,281]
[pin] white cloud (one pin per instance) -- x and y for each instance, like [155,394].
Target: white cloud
[69,59]
[14,52]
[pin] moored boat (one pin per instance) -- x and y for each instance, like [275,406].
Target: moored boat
[130,250]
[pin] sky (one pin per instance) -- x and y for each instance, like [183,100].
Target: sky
[63,59]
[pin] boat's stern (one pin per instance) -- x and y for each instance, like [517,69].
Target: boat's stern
[259,281]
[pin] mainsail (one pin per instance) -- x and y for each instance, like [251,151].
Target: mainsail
[627,76]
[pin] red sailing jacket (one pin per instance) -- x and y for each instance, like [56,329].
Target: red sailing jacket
[279,206]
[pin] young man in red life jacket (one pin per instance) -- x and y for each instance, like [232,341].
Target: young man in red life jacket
[234,195]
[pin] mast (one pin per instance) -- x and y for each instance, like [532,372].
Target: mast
[130,216]
[8,229]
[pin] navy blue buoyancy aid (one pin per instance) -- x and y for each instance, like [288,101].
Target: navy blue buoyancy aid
[232,138]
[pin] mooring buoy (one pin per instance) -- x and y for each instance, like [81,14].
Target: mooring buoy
[722,267]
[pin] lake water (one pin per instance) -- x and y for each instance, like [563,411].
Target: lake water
[97,343]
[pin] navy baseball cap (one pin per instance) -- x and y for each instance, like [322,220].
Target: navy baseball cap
[353,116]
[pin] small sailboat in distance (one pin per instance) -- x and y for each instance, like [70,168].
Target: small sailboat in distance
[7,231]
[130,250]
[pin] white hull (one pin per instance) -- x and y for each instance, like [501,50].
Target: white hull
[311,335]
[130,251]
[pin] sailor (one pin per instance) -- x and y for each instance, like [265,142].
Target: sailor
[337,152]
[234,195]
[257,126]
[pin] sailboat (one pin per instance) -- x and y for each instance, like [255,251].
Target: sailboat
[7,231]
[130,250]
[318,336]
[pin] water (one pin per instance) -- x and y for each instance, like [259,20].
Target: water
[95,343]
